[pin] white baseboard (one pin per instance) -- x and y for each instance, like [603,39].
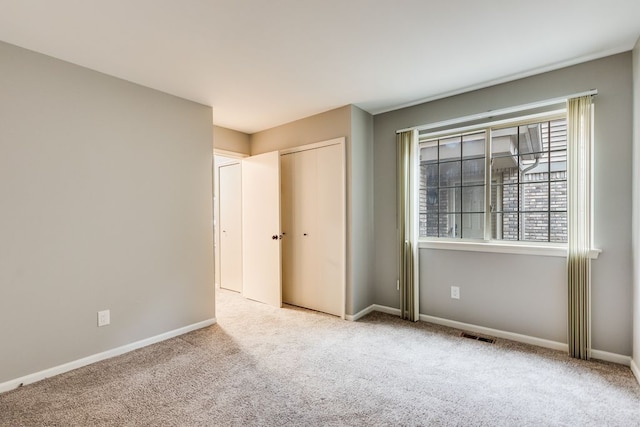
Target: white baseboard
[370,309]
[56,370]
[611,357]
[540,342]
[635,370]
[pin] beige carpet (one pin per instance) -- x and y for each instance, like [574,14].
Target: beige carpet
[277,367]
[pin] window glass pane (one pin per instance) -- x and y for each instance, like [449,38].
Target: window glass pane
[450,225]
[450,174]
[430,202]
[430,175]
[509,199]
[432,225]
[429,152]
[534,196]
[559,195]
[473,171]
[450,199]
[558,163]
[450,148]
[535,174]
[530,141]
[473,199]
[534,226]
[504,142]
[473,145]
[557,134]
[528,196]
[473,226]
[558,227]
[504,226]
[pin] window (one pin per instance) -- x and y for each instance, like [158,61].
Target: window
[501,181]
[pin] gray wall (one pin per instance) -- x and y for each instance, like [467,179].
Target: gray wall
[105,189]
[321,127]
[360,151]
[341,122]
[636,204]
[231,140]
[497,294]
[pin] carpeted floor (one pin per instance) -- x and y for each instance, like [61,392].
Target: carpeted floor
[274,367]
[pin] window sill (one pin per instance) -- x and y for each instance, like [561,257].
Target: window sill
[503,248]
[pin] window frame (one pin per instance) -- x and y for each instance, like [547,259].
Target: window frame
[487,244]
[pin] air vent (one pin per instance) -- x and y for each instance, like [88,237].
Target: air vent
[477,338]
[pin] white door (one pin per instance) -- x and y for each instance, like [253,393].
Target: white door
[299,227]
[329,239]
[314,226]
[261,266]
[230,226]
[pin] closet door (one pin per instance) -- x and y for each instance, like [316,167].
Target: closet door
[314,225]
[290,293]
[329,239]
[298,206]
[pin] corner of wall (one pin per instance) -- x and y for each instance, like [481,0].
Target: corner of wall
[636,211]
[229,140]
[361,199]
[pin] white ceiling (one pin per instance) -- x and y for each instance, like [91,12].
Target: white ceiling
[262,63]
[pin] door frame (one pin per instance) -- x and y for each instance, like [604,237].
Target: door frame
[342,142]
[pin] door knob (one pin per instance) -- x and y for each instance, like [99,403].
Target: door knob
[274,237]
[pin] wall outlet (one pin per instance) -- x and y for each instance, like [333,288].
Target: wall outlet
[455,292]
[104,317]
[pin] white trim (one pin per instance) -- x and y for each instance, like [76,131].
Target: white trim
[540,342]
[320,144]
[500,111]
[635,370]
[66,367]
[611,357]
[497,124]
[373,307]
[503,248]
[227,153]
[387,310]
[359,315]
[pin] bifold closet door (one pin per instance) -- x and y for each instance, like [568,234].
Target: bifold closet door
[299,226]
[329,240]
[313,222]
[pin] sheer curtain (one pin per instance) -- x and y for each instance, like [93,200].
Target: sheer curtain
[407,282]
[579,141]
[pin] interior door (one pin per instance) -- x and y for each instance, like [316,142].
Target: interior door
[230,226]
[261,266]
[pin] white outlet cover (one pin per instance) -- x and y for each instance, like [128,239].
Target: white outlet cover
[104,317]
[455,292]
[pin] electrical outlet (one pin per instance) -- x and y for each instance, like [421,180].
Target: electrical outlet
[104,317]
[455,292]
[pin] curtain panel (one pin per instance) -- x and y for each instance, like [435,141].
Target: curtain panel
[580,143]
[406,172]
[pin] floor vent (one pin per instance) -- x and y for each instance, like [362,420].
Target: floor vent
[475,337]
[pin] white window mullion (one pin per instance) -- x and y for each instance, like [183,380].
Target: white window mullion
[487,185]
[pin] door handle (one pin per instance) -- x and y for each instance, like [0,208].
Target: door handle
[277,236]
